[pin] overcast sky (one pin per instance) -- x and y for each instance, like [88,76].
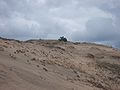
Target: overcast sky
[78,20]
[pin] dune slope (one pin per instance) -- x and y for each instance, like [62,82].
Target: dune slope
[54,65]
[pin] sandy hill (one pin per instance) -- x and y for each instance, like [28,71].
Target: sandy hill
[54,65]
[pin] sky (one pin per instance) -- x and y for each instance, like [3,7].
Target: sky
[77,20]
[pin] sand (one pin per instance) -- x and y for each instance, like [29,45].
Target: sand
[54,65]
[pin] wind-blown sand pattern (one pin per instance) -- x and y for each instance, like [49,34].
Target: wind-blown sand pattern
[54,65]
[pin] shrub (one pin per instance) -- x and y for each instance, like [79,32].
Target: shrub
[63,39]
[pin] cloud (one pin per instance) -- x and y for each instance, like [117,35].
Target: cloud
[78,20]
[98,29]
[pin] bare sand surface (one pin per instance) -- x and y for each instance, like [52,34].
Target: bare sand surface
[54,65]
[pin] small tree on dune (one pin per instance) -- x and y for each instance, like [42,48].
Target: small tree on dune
[63,39]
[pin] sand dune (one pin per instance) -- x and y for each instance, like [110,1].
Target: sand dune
[54,65]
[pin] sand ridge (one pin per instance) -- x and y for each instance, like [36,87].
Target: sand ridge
[54,65]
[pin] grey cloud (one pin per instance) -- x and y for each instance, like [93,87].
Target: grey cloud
[98,29]
[29,12]
[78,20]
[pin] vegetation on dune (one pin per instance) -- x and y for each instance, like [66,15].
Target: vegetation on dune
[63,39]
